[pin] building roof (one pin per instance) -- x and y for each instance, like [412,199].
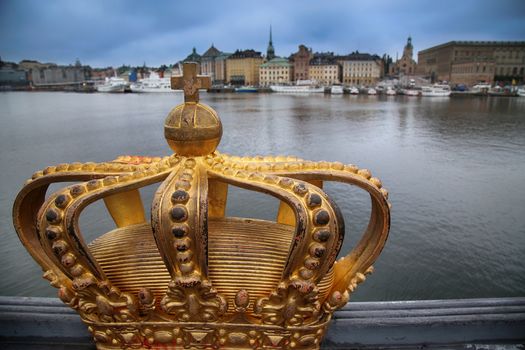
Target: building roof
[277,61]
[223,56]
[193,57]
[357,56]
[476,43]
[246,54]
[323,59]
[211,52]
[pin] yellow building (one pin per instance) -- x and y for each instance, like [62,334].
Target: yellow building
[277,71]
[362,69]
[242,67]
[324,70]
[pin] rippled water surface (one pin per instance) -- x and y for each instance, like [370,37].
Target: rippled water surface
[455,170]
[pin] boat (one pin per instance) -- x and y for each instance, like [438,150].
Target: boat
[336,90]
[521,91]
[154,83]
[300,87]
[390,91]
[372,91]
[354,90]
[411,92]
[113,84]
[480,89]
[250,89]
[436,90]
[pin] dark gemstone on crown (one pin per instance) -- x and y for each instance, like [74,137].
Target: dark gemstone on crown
[322,217]
[61,200]
[314,200]
[179,231]
[52,233]
[180,196]
[322,235]
[179,213]
[52,216]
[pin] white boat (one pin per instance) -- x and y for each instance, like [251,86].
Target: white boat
[336,90]
[354,90]
[372,91]
[301,87]
[390,91]
[113,84]
[436,90]
[154,83]
[521,91]
[411,92]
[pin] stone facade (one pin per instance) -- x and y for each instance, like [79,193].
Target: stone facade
[301,62]
[508,56]
[362,69]
[208,66]
[54,74]
[220,67]
[472,72]
[406,65]
[278,71]
[324,69]
[242,67]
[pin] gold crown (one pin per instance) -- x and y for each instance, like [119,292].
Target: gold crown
[192,277]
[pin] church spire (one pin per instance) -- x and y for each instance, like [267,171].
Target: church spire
[270,52]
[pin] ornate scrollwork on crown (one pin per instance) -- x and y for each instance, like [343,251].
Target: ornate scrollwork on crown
[191,299]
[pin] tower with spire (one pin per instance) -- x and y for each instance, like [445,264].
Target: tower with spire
[270,52]
[406,65]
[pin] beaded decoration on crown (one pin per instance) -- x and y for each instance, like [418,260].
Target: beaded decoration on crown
[192,277]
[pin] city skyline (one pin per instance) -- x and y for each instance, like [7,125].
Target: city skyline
[110,34]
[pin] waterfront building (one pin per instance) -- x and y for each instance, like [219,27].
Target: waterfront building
[502,60]
[277,71]
[11,75]
[242,67]
[270,51]
[324,69]
[208,66]
[194,57]
[50,73]
[362,69]
[473,71]
[301,62]
[220,67]
[406,65]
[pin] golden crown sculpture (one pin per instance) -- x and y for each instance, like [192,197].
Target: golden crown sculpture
[193,278]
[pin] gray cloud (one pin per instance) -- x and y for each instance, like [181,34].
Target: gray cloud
[102,33]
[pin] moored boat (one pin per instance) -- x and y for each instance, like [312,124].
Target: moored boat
[371,91]
[390,91]
[336,90]
[297,89]
[354,90]
[411,92]
[436,90]
[249,89]
[113,84]
[154,83]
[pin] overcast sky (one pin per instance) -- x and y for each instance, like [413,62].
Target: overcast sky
[114,32]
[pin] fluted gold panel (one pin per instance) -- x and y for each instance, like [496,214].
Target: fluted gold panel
[243,254]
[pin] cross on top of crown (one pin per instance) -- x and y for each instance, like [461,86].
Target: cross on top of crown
[190,82]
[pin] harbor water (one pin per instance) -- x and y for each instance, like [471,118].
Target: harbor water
[454,167]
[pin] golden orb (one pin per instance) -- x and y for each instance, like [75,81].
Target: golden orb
[193,129]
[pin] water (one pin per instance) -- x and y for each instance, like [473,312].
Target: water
[454,168]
